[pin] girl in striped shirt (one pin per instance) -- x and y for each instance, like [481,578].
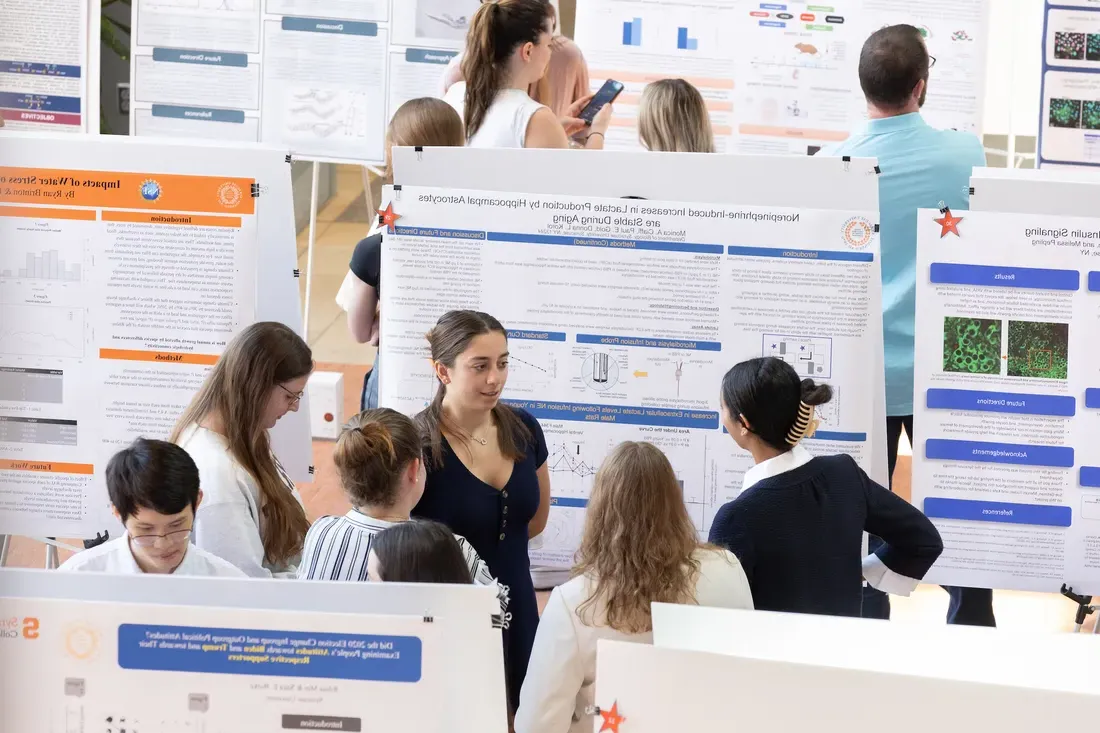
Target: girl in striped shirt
[379,459]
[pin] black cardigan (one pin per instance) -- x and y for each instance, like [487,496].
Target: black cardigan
[799,536]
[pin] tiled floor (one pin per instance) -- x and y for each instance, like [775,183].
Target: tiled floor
[334,350]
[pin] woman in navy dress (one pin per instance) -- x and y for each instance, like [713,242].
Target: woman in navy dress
[487,474]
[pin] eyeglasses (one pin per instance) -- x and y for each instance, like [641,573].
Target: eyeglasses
[296,397]
[931,61]
[172,538]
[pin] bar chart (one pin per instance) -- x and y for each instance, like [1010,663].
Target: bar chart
[632,32]
[684,42]
[46,265]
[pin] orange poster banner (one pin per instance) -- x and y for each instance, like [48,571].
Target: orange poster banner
[200,194]
[84,469]
[168,357]
[187,220]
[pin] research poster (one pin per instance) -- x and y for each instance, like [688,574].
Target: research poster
[217,669]
[43,66]
[121,281]
[1069,126]
[623,316]
[778,77]
[1008,398]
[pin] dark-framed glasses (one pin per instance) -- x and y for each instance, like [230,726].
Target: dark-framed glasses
[171,538]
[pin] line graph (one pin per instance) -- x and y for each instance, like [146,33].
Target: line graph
[37,330]
[562,459]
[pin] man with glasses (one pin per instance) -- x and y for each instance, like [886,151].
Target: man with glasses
[922,168]
[154,488]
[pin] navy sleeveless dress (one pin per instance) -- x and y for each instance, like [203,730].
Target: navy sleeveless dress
[495,523]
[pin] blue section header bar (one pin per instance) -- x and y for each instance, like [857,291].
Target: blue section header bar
[949,273]
[1012,402]
[1094,281]
[773,24]
[39,102]
[1092,398]
[647,342]
[203,58]
[996,511]
[438,233]
[322,25]
[200,114]
[802,254]
[28,67]
[426,56]
[536,335]
[1090,476]
[267,653]
[841,437]
[633,244]
[618,414]
[1021,455]
[568,501]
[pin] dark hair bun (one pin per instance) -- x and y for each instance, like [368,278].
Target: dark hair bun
[815,394]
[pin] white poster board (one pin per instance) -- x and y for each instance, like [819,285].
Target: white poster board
[599,360]
[1058,191]
[44,69]
[778,77]
[1069,122]
[283,660]
[964,653]
[128,268]
[1006,394]
[652,690]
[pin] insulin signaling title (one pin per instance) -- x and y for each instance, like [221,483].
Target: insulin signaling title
[1061,237]
[622,214]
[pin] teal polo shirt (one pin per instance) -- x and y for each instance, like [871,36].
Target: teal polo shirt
[922,168]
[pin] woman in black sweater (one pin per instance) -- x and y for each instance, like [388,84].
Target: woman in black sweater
[798,525]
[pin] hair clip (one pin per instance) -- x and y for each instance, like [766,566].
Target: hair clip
[804,425]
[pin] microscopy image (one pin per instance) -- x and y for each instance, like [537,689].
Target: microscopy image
[971,345]
[1069,46]
[1090,115]
[1092,47]
[1065,113]
[1038,350]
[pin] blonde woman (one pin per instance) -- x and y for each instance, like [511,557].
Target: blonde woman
[639,546]
[251,515]
[428,122]
[673,118]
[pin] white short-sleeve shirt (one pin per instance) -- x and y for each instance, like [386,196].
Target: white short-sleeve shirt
[115,557]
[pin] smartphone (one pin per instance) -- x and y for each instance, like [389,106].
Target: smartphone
[607,94]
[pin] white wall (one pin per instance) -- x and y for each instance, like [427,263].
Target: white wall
[1014,68]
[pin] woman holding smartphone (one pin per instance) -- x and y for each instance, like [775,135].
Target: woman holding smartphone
[508,48]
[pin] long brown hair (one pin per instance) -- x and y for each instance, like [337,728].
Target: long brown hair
[451,336]
[238,389]
[639,542]
[497,29]
[375,447]
[426,121]
[673,117]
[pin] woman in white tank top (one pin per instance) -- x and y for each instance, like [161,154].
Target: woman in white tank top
[507,50]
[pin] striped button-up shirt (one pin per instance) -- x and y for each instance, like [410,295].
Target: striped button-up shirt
[336,548]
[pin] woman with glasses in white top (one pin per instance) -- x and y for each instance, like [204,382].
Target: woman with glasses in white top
[252,515]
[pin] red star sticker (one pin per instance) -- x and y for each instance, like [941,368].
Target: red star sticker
[388,217]
[949,223]
[611,719]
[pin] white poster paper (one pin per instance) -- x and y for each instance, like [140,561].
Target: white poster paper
[599,361]
[125,275]
[43,66]
[1006,399]
[1069,126]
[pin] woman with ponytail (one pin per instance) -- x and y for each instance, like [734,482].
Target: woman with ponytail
[508,49]
[251,515]
[381,467]
[487,474]
[798,525]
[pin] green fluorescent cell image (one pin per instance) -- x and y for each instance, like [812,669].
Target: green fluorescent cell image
[971,345]
[1039,350]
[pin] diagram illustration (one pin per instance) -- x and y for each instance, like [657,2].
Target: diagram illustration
[600,371]
[326,113]
[811,356]
[444,18]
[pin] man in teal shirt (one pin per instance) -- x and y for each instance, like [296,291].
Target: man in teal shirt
[922,168]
